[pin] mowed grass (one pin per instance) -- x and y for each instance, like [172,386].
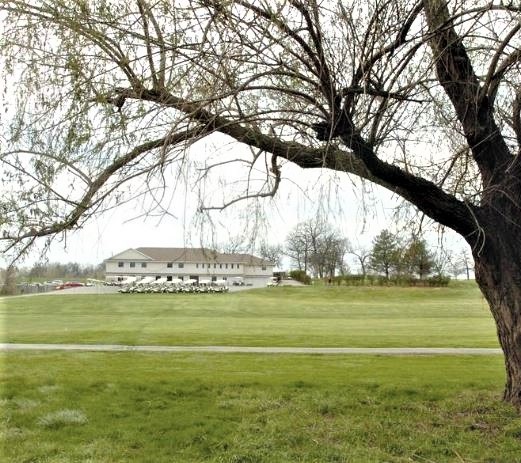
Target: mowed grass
[238,408]
[456,316]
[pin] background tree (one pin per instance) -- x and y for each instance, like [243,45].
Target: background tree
[234,245]
[466,263]
[315,246]
[299,245]
[272,253]
[328,254]
[385,254]
[8,287]
[442,262]
[417,258]
[57,270]
[363,256]
[420,97]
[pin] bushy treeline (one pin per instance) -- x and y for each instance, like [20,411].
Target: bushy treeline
[379,280]
[318,251]
[57,270]
[10,277]
[300,275]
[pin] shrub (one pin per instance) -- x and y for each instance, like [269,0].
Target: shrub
[395,280]
[353,280]
[301,276]
[439,280]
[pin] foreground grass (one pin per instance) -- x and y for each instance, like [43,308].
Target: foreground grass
[107,408]
[308,316]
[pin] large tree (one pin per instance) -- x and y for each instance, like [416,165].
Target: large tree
[420,97]
[271,252]
[316,246]
[385,254]
[417,258]
[363,255]
[299,244]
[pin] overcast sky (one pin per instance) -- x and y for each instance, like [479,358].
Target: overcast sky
[358,212]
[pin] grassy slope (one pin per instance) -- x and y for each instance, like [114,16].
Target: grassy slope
[322,316]
[253,409]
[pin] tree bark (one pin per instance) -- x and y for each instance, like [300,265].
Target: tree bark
[498,274]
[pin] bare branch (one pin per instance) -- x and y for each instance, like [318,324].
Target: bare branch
[88,199]
[495,73]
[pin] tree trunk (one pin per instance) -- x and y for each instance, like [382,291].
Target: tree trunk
[498,274]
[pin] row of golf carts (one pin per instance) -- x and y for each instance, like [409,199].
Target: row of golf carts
[175,285]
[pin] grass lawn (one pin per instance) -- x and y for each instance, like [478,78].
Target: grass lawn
[456,316]
[129,407]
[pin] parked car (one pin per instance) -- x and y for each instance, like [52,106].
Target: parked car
[70,284]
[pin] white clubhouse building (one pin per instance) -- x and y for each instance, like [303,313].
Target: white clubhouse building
[188,264]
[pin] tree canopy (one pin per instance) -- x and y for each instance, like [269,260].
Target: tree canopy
[101,92]
[315,246]
[385,255]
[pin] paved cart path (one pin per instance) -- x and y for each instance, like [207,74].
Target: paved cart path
[256,350]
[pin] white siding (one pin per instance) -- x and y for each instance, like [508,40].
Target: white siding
[257,271]
[190,268]
[203,269]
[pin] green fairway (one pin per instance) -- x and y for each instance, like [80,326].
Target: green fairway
[304,316]
[106,408]
[237,408]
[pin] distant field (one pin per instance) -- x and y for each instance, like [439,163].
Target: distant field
[196,408]
[456,316]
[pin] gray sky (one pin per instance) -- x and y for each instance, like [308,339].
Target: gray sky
[358,211]
[357,214]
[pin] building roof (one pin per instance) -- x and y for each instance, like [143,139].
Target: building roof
[196,255]
[178,254]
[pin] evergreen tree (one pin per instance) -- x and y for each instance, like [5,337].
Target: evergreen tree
[417,258]
[385,255]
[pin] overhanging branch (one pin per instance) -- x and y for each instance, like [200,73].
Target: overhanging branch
[361,161]
[89,200]
[457,77]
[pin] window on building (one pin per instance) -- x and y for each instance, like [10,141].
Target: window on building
[132,264]
[225,278]
[207,265]
[214,278]
[226,265]
[263,267]
[238,266]
[143,265]
[214,265]
[169,264]
[158,277]
[220,265]
[181,265]
[120,264]
[169,278]
[196,265]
